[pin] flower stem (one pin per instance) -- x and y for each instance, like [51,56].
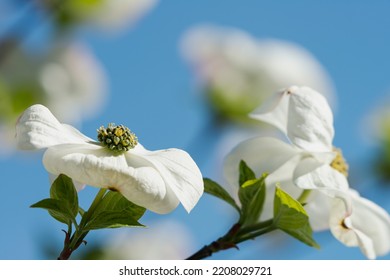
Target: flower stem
[223,243]
[87,215]
[304,196]
[255,227]
[255,234]
[234,236]
[73,242]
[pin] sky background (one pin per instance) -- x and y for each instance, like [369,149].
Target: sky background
[152,91]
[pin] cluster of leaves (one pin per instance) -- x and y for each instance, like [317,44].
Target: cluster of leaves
[108,210]
[288,215]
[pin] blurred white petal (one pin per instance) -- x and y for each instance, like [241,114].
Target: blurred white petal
[243,71]
[117,14]
[73,81]
[164,240]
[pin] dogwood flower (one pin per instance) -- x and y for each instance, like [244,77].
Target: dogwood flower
[156,180]
[309,162]
[304,116]
[239,72]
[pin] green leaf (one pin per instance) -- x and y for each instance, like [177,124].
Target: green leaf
[63,202]
[57,209]
[291,217]
[245,172]
[81,211]
[216,190]
[252,196]
[115,201]
[63,189]
[112,219]
[113,211]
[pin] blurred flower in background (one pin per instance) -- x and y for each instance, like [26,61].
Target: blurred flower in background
[162,240]
[73,81]
[68,79]
[238,71]
[108,14]
[376,130]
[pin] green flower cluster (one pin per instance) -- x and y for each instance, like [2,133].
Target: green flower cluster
[117,137]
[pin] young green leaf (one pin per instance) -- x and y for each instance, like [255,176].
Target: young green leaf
[252,196]
[115,201]
[245,172]
[63,202]
[216,190]
[114,210]
[291,217]
[63,190]
[112,219]
[57,209]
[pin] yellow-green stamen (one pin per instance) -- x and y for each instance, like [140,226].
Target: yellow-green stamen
[339,163]
[117,137]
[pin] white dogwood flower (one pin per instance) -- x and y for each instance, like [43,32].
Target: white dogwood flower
[304,116]
[156,180]
[310,162]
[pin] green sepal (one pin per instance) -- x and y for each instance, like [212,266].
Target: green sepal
[63,202]
[291,217]
[245,173]
[57,209]
[114,211]
[252,196]
[216,190]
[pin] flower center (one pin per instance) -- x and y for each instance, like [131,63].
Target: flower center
[339,163]
[117,137]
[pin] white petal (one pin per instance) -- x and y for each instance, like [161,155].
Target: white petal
[303,115]
[96,166]
[318,209]
[274,111]
[261,154]
[37,128]
[372,221]
[323,178]
[310,120]
[309,164]
[342,228]
[367,225]
[179,172]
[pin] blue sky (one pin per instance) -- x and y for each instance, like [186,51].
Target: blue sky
[152,91]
